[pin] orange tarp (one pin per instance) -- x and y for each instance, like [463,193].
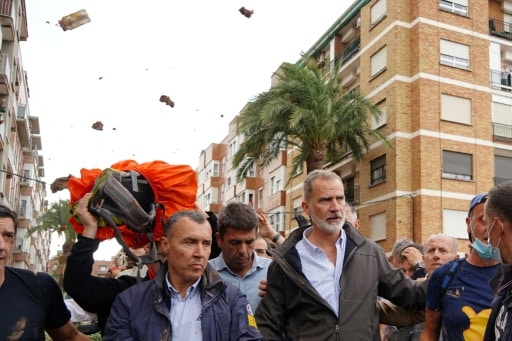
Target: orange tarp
[175,186]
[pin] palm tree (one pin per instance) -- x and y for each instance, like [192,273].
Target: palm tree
[56,219]
[310,112]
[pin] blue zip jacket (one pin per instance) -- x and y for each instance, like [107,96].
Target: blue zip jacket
[141,312]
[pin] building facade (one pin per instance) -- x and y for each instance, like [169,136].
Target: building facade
[439,72]
[21,161]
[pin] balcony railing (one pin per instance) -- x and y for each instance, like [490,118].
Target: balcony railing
[352,195]
[500,28]
[6,7]
[502,131]
[348,52]
[500,80]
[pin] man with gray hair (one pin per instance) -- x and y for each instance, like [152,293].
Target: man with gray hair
[317,289]
[351,215]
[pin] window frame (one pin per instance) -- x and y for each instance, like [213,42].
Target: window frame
[450,159]
[454,7]
[378,167]
[453,60]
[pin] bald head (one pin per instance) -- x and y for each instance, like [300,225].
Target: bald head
[439,249]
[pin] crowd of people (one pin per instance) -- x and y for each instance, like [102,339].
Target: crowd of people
[231,276]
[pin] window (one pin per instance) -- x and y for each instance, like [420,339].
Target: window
[377,12]
[275,220]
[454,54]
[455,6]
[378,62]
[215,169]
[19,244]
[457,166]
[502,169]
[241,197]
[102,268]
[502,120]
[456,109]
[207,199]
[229,182]
[250,172]
[378,170]
[299,170]
[23,208]
[502,113]
[349,190]
[454,223]
[376,123]
[297,205]
[378,227]
[232,148]
[273,185]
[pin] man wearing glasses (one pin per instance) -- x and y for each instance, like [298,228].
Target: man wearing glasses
[238,262]
[262,246]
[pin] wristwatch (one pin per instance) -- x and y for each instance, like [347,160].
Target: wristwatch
[276,237]
[418,265]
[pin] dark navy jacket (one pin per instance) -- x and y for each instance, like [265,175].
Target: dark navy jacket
[141,312]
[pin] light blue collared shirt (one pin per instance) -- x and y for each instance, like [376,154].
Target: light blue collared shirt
[185,313]
[320,272]
[248,284]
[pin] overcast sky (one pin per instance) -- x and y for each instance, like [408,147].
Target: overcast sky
[205,55]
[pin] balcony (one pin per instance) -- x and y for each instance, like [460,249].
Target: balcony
[500,28]
[497,83]
[8,19]
[23,126]
[352,195]
[5,74]
[348,52]
[502,132]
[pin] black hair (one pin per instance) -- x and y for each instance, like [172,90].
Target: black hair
[237,215]
[6,212]
[499,199]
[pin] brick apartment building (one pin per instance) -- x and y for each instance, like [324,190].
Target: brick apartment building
[434,69]
[21,161]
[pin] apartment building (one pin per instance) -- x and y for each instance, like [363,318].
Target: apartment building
[21,163]
[438,70]
[262,189]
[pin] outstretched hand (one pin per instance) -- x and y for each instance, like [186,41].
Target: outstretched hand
[266,230]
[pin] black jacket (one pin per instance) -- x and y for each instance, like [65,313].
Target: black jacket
[93,294]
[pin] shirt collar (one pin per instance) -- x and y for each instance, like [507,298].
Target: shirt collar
[192,289]
[312,247]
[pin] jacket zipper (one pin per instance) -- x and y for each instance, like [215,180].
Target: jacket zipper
[337,328]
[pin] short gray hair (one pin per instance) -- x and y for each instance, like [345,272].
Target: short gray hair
[455,246]
[317,173]
[192,215]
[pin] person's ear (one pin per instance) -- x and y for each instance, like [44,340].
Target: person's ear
[218,238]
[164,244]
[305,207]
